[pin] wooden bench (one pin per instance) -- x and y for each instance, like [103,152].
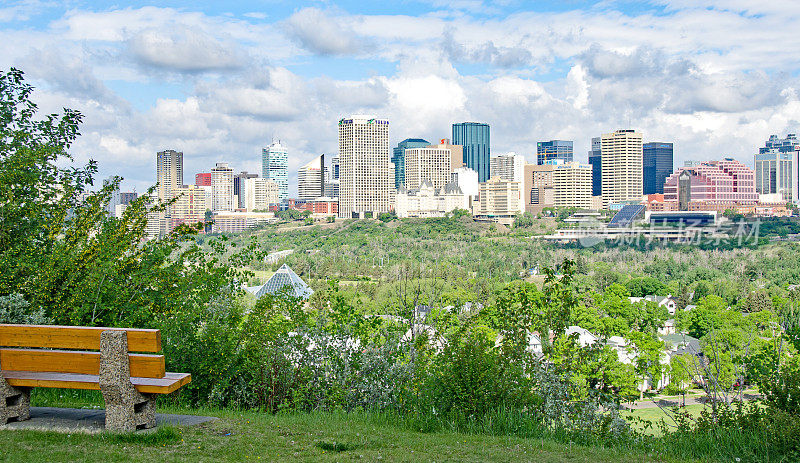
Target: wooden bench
[73,357]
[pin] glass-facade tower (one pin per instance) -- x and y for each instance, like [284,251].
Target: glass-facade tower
[596,161]
[553,149]
[474,137]
[399,158]
[275,166]
[657,166]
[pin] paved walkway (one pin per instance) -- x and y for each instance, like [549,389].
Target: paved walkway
[91,421]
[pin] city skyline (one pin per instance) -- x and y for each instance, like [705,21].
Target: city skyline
[219,81]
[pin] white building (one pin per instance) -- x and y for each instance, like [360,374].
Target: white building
[222,196]
[275,166]
[621,167]
[311,179]
[365,173]
[509,167]
[572,185]
[778,174]
[431,163]
[260,193]
[427,201]
[190,205]
[238,221]
[499,198]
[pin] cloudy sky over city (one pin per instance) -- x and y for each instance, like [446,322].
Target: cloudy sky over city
[220,80]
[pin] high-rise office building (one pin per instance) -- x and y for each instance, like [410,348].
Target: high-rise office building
[169,173]
[275,165]
[190,206]
[777,168]
[509,166]
[260,193]
[311,179]
[202,179]
[240,187]
[553,149]
[398,158]
[622,167]
[335,167]
[572,184]
[657,165]
[456,153]
[781,145]
[711,185]
[366,178]
[222,194]
[596,161]
[499,198]
[538,187]
[430,163]
[474,138]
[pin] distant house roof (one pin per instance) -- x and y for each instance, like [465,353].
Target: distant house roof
[283,278]
[683,343]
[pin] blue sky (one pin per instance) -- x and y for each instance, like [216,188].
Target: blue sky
[219,80]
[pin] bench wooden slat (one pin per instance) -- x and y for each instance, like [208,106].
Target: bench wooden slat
[169,383]
[74,337]
[80,362]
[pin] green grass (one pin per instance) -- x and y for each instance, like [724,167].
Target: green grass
[254,436]
[249,436]
[339,436]
[654,416]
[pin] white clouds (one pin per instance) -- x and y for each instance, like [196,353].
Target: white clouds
[183,50]
[322,33]
[716,79]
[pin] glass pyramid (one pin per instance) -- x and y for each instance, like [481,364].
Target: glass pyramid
[277,283]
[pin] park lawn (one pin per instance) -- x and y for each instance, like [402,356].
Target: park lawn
[249,436]
[317,436]
[655,415]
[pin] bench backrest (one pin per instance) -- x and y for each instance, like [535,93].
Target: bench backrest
[40,348]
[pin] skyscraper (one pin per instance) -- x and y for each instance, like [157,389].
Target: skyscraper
[538,187]
[572,183]
[169,173]
[222,195]
[202,179]
[657,162]
[595,160]
[260,193]
[431,163]
[398,158]
[366,181]
[712,185]
[474,137]
[335,167]
[275,165]
[240,188]
[781,145]
[311,179]
[553,149]
[509,166]
[777,168]
[622,166]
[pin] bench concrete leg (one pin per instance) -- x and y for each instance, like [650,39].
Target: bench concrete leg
[15,403]
[126,408]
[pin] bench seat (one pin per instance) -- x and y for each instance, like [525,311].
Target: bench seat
[169,383]
[124,364]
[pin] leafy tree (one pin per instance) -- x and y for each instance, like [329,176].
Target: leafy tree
[387,216]
[646,286]
[65,255]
